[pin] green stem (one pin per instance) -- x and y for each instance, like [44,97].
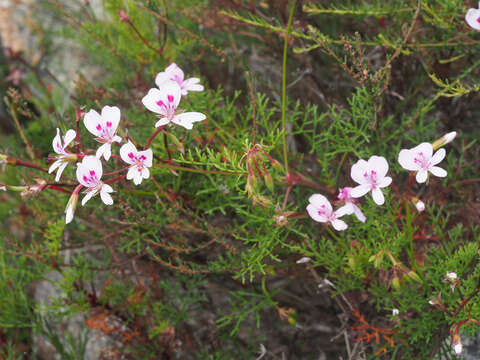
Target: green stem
[284,86]
[332,234]
[199,171]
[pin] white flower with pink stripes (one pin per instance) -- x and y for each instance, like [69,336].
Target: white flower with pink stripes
[60,145]
[350,206]
[371,175]
[174,73]
[422,160]
[165,103]
[140,161]
[89,174]
[321,210]
[104,127]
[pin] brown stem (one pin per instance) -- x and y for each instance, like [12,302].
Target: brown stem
[150,139]
[129,23]
[57,188]
[111,181]
[18,162]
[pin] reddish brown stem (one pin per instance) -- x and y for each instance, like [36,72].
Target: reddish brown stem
[116,171]
[158,51]
[118,178]
[150,139]
[57,188]
[18,162]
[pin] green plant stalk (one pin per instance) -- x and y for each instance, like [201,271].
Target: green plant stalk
[284,87]
[409,218]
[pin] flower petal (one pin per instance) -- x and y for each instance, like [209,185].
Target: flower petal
[169,89]
[360,190]
[161,122]
[313,212]
[57,143]
[472,17]
[425,148]
[438,171]
[406,159]
[192,84]
[111,114]
[145,173]
[357,171]
[150,101]
[105,150]
[125,152]
[131,172]
[88,164]
[105,196]
[88,196]
[69,136]
[346,209]
[60,171]
[358,213]
[386,181]
[148,155]
[421,176]
[378,197]
[55,165]
[438,157]
[91,120]
[378,164]
[339,225]
[187,119]
[321,202]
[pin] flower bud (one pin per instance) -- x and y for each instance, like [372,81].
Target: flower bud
[445,139]
[396,284]
[457,344]
[34,189]
[123,15]
[395,312]
[413,276]
[419,204]
[71,206]
[268,181]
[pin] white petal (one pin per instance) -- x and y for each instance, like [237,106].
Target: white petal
[313,212]
[116,138]
[127,149]
[406,159]
[149,157]
[89,163]
[107,188]
[55,165]
[161,122]
[438,157]
[171,89]
[137,178]
[60,171]
[91,120]
[105,196]
[192,84]
[438,171]
[339,225]
[378,197]
[421,176]
[378,164]
[425,148]
[69,214]
[87,197]
[57,143]
[346,209]
[357,171]
[386,181]
[69,136]
[360,190]
[359,214]
[187,119]
[145,173]
[131,172]
[105,150]
[472,18]
[111,114]
[150,101]
[321,202]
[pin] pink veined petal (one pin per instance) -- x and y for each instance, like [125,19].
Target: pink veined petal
[421,176]
[187,119]
[346,209]
[57,143]
[313,212]
[378,164]
[357,171]
[150,101]
[321,202]
[425,148]
[88,164]
[406,159]
[55,165]
[378,197]
[116,138]
[127,149]
[60,171]
[111,114]
[91,120]
[358,213]
[171,88]
[192,84]
[161,122]
[69,136]
[438,171]
[472,18]
[360,190]
[131,172]
[386,181]
[149,157]
[106,197]
[88,196]
[339,225]
[438,156]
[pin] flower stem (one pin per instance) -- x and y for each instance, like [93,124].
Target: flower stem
[284,86]
[150,139]
[118,178]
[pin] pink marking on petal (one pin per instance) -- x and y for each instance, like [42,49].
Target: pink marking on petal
[478,19]
[99,127]
[139,169]
[92,172]
[131,156]
[85,178]
[365,174]
[143,157]
[170,98]
[109,124]
[160,103]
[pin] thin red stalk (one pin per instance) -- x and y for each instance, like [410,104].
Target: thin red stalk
[57,188]
[150,139]
[158,51]
[111,181]
[117,171]
[18,162]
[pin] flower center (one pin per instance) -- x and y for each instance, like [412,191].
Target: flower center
[168,109]
[421,160]
[105,133]
[92,180]
[371,178]
[139,161]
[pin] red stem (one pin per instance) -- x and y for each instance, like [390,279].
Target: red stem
[111,181]
[53,187]
[150,139]
[116,171]
[18,162]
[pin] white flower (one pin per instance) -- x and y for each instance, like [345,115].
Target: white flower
[321,210]
[165,102]
[451,276]
[104,127]
[473,18]
[303,260]
[395,312]
[420,205]
[140,161]
[350,207]
[420,159]
[89,173]
[457,345]
[371,175]
[60,145]
[174,73]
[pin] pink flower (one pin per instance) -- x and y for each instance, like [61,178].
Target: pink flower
[140,161]
[122,14]
[350,207]
[420,159]
[60,145]
[473,18]
[104,127]
[15,76]
[174,73]
[89,173]
[165,102]
[371,176]
[321,210]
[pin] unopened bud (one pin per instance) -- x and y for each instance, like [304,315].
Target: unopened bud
[32,190]
[445,139]
[277,165]
[457,344]
[268,181]
[419,204]
[71,206]
[395,312]
[413,276]
[396,283]
[123,15]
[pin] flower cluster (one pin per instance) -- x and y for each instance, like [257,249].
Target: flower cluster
[163,100]
[371,176]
